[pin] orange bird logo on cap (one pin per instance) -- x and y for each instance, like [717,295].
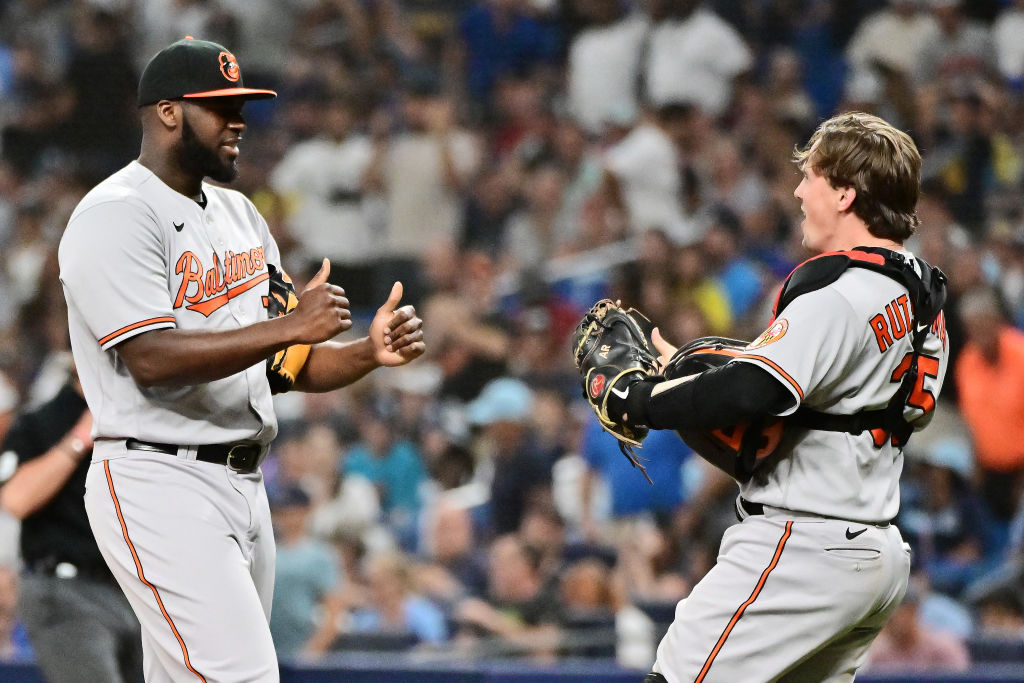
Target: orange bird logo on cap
[229,66]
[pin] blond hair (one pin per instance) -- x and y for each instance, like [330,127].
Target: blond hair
[877,160]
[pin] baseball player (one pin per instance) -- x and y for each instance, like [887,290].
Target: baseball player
[855,358]
[168,281]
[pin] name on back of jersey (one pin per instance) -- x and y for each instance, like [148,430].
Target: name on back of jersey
[893,323]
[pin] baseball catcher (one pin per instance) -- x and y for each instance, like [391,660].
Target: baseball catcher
[284,366]
[730,413]
[612,349]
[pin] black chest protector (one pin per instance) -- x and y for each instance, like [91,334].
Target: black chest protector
[927,293]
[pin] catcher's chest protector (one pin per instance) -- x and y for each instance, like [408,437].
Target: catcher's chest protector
[736,450]
[739,449]
[927,290]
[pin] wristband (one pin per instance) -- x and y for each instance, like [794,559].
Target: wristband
[75,447]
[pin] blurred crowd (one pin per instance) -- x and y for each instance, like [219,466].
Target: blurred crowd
[511,161]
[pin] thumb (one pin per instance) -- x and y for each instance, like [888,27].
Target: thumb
[664,348]
[396,296]
[320,277]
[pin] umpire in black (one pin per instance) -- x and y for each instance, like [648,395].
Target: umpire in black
[78,620]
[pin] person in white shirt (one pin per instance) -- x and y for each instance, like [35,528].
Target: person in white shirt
[604,61]
[693,55]
[894,36]
[1007,32]
[642,176]
[421,173]
[321,181]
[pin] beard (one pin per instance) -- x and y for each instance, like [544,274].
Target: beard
[199,160]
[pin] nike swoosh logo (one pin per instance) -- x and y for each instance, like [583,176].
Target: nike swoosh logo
[620,394]
[178,226]
[850,535]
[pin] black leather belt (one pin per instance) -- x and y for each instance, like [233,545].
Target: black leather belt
[752,508]
[241,457]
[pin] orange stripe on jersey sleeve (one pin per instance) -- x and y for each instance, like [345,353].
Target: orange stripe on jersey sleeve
[135,326]
[142,575]
[775,366]
[749,601]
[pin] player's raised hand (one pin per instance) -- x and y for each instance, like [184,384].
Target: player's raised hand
[396,333]
[664,349]
[323,310]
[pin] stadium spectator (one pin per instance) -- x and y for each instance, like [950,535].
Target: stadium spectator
[13,644]
[630,499]
[306,573]
[393,465]
[392,607]
[1006,34]
[536,232]
[455,567]
[322,182]
[895,37]
[906,645]
[603,62]
[80,624]
[519,471]
[522,613]
[740,278]
[676,68]
[990,380]
[962,49]
[421,172]
[500,38]
[642,181]
[941,517]
[470,339]
[1001,615]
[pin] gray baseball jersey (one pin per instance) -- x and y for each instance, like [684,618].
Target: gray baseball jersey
[139,256]
[843,349]
[190,542]
[805,582]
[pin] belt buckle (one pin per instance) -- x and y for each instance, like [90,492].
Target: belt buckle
[244,457]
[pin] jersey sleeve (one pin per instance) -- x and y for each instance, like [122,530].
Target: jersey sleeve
[113,266]
[816,333]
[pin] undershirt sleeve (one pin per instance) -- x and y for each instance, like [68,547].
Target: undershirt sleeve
[720,397]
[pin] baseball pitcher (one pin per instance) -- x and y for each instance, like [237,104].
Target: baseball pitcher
[182,324]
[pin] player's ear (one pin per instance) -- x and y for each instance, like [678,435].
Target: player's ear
[846,196]
[169,113]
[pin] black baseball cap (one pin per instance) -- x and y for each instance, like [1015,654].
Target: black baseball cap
[194,68]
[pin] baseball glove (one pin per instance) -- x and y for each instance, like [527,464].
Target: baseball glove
[612,349]
[284,366]
[738,449]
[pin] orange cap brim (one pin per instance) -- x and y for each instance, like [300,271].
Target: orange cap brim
[248,93]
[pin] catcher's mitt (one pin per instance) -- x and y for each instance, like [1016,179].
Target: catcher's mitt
[284,366]
[739,449]
[612,349]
